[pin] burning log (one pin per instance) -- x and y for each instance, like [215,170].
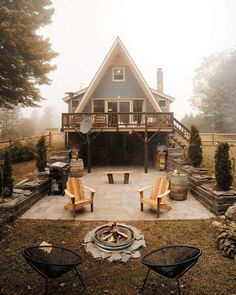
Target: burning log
[113,235]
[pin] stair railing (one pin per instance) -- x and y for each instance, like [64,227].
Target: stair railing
[181,129]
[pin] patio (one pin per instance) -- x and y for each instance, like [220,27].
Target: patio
[116,201]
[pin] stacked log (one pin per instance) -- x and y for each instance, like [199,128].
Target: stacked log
[160,160]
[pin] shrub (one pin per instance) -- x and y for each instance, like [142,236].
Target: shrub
[41,151]
[6,184]
[20,153]
[195,147]
[223,171]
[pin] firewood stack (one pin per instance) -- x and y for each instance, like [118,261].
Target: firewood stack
[160,160]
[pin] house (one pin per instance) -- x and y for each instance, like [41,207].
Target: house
[126,119]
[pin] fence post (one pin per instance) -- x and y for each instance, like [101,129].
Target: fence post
[213,137]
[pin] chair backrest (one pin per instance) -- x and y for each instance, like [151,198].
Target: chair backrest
[160,186]
[75,187]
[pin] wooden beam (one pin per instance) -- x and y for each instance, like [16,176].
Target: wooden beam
[124,148]
[146,147]
[146,155]
[66,139]
[88,153]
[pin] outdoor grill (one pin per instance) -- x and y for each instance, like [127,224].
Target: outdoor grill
[171,261]
[58,177]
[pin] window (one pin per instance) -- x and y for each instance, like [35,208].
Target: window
[98,106]
[118,74]
[75,104]
[162,103]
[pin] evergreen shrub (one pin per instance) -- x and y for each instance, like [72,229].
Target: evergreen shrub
[6,184]
[223,170]
[41,154]
[195,147]
[20,153]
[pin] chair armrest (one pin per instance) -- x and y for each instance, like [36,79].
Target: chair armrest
[146,187]
[71,196]
[164,194]
[90,189]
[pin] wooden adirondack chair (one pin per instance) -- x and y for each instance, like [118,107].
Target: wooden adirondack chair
[158,197]
[75,191]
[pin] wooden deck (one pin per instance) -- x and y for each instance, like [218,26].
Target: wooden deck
[109,122]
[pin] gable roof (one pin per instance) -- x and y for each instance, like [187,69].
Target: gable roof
[81,91]
[118,46]
[168,97]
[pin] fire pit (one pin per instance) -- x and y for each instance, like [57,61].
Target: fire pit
[115,242]
[113,237]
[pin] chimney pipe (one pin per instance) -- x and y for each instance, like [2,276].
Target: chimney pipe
[160,80]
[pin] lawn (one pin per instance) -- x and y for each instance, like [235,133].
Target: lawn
[213,274]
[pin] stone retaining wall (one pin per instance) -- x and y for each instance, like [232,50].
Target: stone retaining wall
[20,204]
[216,201]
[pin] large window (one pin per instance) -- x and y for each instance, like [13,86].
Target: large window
[118,74]
[98,106]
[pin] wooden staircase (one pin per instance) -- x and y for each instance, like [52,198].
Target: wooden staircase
[181,134]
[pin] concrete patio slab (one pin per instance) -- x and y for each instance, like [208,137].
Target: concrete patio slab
[117,201]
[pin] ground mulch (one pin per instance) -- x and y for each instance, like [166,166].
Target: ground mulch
[213,274]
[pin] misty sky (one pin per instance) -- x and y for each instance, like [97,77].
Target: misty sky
[173,35]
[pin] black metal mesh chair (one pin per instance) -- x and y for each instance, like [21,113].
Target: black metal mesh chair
[52,261]
[171,261]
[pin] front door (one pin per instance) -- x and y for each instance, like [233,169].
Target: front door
[112,108]
[124,108]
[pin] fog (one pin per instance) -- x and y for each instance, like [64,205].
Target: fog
[173,35]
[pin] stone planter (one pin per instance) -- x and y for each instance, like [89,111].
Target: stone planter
[215,201]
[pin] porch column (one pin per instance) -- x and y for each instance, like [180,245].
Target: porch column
[88,154]
[145,155]
[146,147]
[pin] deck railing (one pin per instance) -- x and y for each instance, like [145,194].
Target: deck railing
[118,120]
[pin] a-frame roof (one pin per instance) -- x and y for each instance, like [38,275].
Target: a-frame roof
[118,46]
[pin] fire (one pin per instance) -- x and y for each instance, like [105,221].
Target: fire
[113,234]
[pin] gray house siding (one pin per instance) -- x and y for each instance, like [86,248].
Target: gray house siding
[158,98]
[72,105]
[149,107]
[129,88]
[88,107]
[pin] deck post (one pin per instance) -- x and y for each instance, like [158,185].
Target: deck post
[88,154]
[66,139]
[146,147]
[146,155]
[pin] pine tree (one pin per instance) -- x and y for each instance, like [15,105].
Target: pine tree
[195,147]
[6,185]
[41,150]
[223,171]
[24,55]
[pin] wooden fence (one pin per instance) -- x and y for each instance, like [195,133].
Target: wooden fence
[54,139]
[213,138]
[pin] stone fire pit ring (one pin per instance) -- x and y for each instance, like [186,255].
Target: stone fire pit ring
[114,247]
[130,250]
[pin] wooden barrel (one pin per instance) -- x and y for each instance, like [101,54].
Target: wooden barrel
[76,168]
[179,187]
